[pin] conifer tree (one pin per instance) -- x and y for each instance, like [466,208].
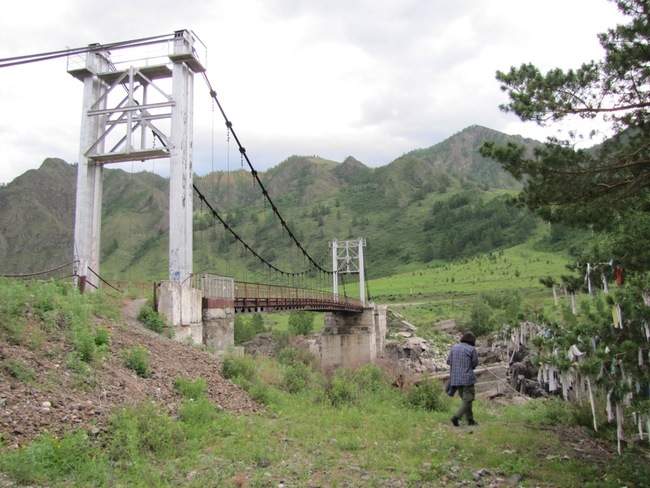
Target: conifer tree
[606,189]
[594,187]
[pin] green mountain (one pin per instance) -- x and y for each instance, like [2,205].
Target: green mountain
[458,156]
[436,203]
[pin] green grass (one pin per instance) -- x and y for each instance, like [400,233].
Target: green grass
[302,440]
[518,268]
[350,428]
[448,291]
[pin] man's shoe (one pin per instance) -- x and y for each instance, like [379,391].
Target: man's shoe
[472,422]
[454,420]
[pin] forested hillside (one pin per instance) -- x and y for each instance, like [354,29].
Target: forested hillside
[437,203]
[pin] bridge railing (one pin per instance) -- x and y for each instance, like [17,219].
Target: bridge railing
[260,295]
[221,291]
[213,286]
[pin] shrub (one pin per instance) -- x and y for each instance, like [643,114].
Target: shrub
[292,356]
[295,378]
[281,338]
[190,389]
[74,363]
[242,330]
[19,370]
[13,296]
[370,377]
[17,329]
[137,358]
[198,414]
[341,390]
[260,392]
[481,320]
[84,344]
[152,320]
[246,330]
[238,367]
[101,336]
[301,323]
[428,395]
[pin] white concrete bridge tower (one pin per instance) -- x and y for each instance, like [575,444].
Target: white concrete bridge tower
[129,114]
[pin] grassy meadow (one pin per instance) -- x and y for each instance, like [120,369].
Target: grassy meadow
[350,429]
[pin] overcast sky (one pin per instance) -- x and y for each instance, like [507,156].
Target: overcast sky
[368,78]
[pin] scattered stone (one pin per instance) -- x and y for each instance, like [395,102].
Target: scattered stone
[514,479]
[404,334]
[409,326]
[481,473]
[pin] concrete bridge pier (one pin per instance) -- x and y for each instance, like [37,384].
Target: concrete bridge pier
[218,325]
[353,339]
[191,316]
[181,306]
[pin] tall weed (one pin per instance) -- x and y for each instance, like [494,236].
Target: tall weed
[242,367]
[151,319]
[291,356]
[49,459]
[143,433]
[295,378]
[189,389]
[13,297]
[341,389]
[428,395]
[137,359]
[20,370]
[198,418]
[370,377]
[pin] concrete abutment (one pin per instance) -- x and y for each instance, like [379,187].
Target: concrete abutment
[352,339]
[218,326]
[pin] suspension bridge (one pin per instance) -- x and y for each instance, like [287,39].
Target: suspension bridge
[138,105]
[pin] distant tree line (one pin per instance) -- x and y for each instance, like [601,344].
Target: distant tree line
[465,225]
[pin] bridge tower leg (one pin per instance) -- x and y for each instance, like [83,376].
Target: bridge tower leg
[180,179]
[88,210]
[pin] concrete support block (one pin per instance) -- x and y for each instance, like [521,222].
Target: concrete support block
[219,329]
[381,327]
[352,339]
[181,306]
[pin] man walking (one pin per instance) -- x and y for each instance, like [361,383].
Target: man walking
[462,360]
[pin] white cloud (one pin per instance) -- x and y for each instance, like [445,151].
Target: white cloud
[367,78]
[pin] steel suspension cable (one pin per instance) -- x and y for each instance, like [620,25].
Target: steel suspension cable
[245,244]
[242,150]
[33,58]
[38,273]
